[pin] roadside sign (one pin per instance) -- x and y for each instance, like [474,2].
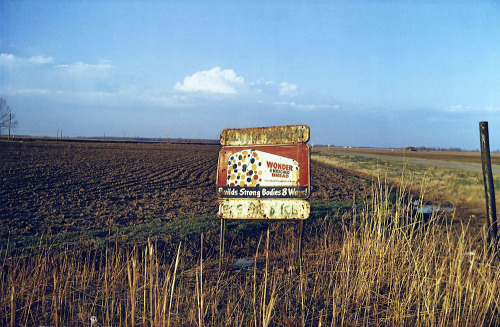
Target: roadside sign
[263,173]
[288,134]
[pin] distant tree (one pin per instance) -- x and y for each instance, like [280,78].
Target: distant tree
[7,119]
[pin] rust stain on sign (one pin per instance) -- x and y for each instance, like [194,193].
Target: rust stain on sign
[264,209]
[288,134]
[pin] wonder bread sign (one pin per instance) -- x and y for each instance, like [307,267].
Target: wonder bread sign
[263,173]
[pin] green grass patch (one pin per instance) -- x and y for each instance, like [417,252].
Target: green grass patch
[176,229]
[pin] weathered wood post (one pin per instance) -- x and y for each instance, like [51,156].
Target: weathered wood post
[489,189]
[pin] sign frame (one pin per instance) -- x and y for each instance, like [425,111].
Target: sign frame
[254,201]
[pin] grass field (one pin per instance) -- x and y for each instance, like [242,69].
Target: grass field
[369,257]
[460,188]
[384,265]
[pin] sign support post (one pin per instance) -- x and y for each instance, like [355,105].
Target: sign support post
[301,233]
[221,241]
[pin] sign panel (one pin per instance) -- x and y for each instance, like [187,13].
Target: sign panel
[279,171]
[267,209]
[288,134]
[263,173]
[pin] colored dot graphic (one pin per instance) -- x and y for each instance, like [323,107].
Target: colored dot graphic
[244,169]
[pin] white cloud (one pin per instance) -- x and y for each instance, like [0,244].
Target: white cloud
[40,60]
[101,70]
[458,108]
[287,89]
[123,97]
[301,106]
[12,92]
[259,82]
[271,88]
[468,109]
[8,59]
[215,80]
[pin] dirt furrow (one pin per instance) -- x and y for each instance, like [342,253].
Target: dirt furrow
[54,187]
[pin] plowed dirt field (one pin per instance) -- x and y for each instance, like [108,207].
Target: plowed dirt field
[48,186]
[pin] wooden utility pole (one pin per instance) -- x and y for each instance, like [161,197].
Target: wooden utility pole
[489,189]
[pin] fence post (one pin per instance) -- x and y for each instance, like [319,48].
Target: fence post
[489,189]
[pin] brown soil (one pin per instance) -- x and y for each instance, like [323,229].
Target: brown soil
[57,186]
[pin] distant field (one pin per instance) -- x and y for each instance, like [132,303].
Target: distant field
[471,157]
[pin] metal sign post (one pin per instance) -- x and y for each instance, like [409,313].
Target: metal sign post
[264,174]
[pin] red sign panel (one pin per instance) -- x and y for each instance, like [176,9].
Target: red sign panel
[267,171]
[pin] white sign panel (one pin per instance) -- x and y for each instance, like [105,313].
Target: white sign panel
[264,209]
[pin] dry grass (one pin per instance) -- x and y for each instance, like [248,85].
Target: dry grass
[460,188]
[388,265]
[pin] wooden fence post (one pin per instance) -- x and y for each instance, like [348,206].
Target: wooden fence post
[489,189]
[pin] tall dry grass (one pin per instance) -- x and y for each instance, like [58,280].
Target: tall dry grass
[385,265]
[456,186]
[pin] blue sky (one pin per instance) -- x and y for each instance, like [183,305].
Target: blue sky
[359,73]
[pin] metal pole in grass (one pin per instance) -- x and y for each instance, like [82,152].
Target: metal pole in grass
[222,235]
[489,189]
[301,233]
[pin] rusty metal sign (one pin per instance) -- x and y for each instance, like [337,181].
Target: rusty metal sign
[288,134]
[266,209]
[279,171]
[263,173]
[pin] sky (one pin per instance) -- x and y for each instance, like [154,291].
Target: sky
[359,73]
